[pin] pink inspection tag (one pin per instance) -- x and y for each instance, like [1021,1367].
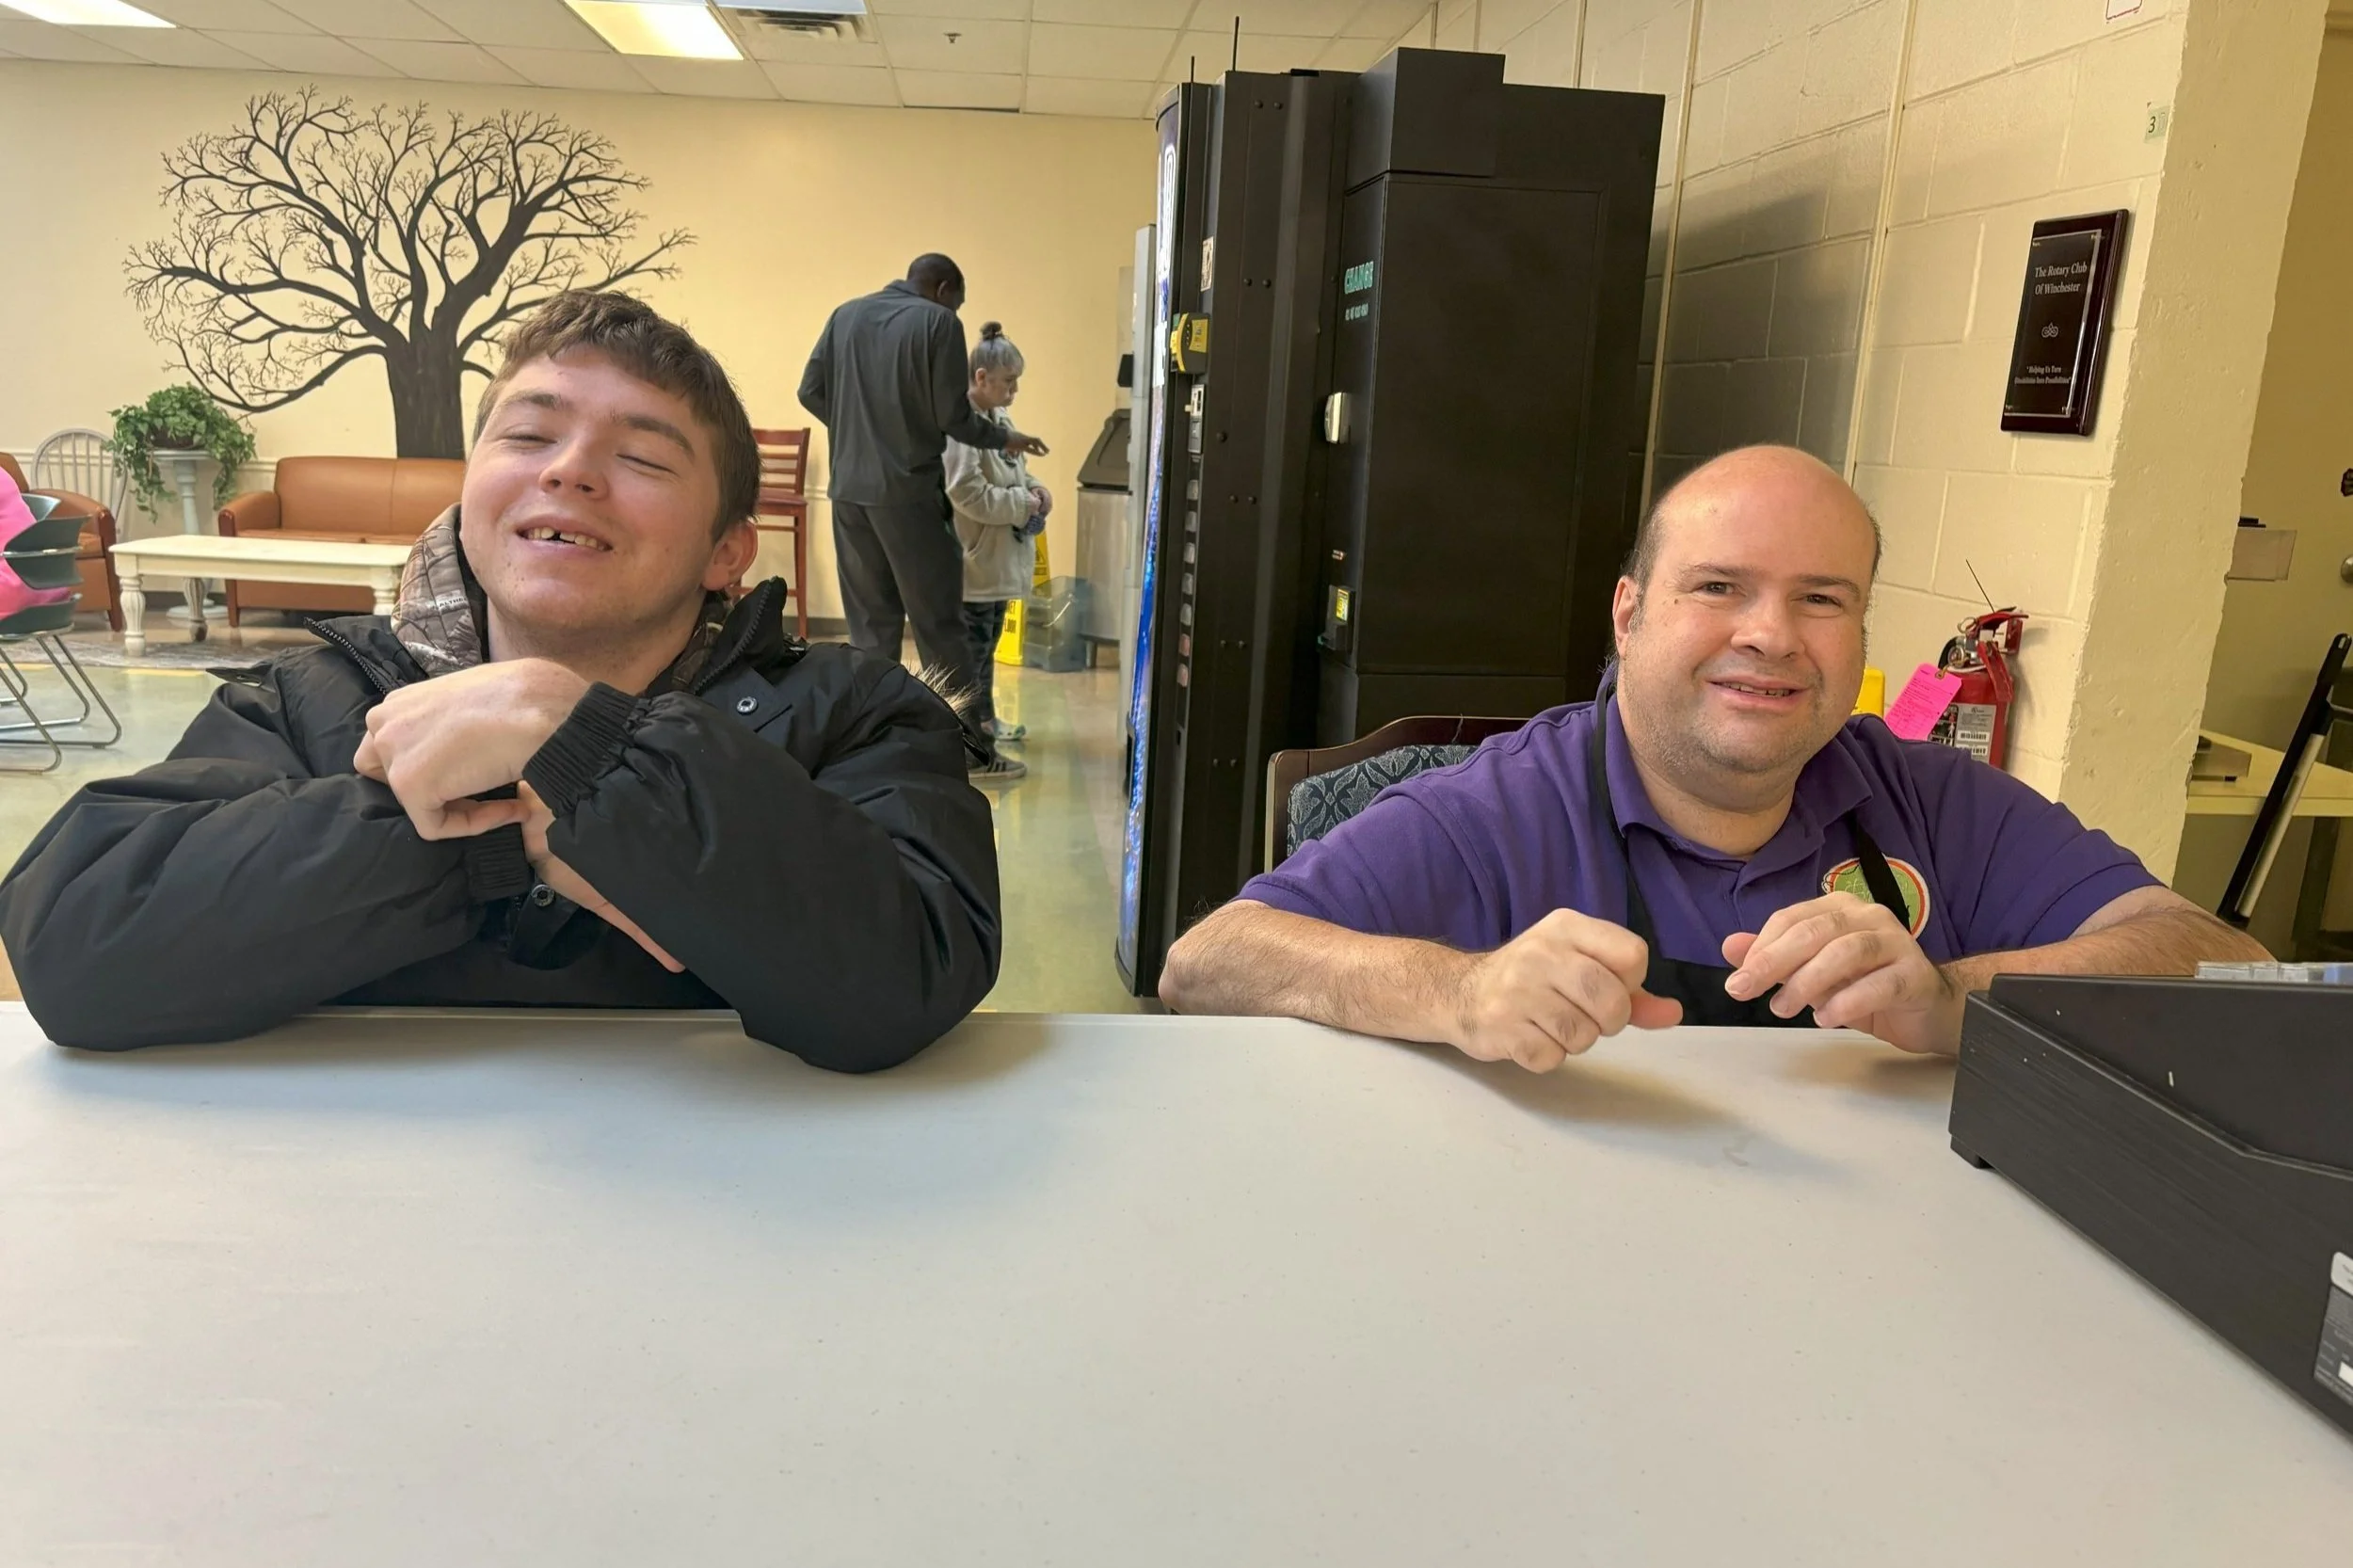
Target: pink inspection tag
[1922,702]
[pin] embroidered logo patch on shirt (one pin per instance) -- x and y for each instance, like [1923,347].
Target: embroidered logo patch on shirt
[1847,877]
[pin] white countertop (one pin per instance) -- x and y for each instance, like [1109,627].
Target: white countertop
[1100,1291]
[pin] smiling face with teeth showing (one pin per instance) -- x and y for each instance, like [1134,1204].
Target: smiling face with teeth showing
[1739,636]
[588,518]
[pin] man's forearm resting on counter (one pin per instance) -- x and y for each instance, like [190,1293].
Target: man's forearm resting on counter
[1555,991]
[2153,932]
[1247,959]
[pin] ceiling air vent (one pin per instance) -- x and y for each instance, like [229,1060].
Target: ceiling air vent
[817,26]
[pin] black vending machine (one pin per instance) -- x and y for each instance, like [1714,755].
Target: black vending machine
[1394,434]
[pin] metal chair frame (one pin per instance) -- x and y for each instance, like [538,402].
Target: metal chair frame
[40,566]
[17,694]
[2277,813]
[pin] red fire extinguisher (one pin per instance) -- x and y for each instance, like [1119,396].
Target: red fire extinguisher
[1978,720]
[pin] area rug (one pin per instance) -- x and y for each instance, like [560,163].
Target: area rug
[102,649]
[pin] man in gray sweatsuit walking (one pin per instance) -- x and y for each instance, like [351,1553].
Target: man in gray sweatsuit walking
[888,378]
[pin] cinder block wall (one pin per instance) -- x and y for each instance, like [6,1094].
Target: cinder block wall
[2001,112]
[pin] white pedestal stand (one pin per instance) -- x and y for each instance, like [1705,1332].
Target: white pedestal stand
[180,468]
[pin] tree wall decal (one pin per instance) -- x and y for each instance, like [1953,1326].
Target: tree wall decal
[313,236]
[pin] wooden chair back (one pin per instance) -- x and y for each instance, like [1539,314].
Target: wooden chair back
[783,470]
[783,506]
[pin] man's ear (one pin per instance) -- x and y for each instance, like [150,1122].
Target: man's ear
[732,557]
[1624,608]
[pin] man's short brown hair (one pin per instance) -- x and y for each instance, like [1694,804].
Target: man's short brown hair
[660,353]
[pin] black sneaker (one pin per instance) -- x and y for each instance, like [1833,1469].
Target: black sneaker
[997,770]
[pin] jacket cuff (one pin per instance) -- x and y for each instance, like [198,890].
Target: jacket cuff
[497,865]
[582,748]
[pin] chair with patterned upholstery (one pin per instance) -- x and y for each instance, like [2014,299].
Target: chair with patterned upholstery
[1311,791]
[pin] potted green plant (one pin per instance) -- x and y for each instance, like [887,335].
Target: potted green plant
[179,418]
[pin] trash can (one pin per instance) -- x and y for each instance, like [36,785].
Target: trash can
[1103,529]
[1053,626]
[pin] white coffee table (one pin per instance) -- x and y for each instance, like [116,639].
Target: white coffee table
[374,566]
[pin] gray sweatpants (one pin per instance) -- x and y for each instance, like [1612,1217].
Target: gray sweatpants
[901,566]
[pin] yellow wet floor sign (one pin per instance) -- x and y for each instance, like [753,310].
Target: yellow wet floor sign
[1009,644]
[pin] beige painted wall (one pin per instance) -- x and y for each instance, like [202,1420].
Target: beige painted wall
[2011,111]
[795,208]
[2273,633]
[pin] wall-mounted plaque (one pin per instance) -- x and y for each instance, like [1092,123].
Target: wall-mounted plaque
[2064,324]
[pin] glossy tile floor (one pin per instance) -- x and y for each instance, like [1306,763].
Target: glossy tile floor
[1057,829]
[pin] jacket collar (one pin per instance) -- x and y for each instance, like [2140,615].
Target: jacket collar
[439,616]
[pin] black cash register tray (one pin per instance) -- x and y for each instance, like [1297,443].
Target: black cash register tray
[2201,1131]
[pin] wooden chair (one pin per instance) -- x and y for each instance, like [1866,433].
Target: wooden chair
[1286,769]
[784,494]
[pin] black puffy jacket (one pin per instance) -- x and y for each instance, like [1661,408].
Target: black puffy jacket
[797,828]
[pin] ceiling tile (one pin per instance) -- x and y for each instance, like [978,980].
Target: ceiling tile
[1105,100]
[431,61]
[369,18]
[967,10]
[312,54]
[762,43]
[1385,20]
[1108,53]
[921,43]
[228,16]
[1213,53]
[515,23]
[1502,20]
[959,90]
[179,46]
[1118,14]
[1294,18]
[39,41]
[1199,58]
[583,70]
[704,78]
[831,84]
[1351,54]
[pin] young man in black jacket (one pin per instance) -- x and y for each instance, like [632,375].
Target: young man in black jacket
[569,774]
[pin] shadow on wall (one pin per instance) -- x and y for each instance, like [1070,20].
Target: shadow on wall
[1760,347]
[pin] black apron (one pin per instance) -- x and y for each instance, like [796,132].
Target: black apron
[1700,987]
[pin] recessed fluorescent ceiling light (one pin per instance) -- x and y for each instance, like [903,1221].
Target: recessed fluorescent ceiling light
[683,30]
[796,8]
[85,13]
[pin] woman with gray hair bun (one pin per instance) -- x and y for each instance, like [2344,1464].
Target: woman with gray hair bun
[1000,512]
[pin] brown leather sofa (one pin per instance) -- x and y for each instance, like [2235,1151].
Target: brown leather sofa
[361,499]
[99,589]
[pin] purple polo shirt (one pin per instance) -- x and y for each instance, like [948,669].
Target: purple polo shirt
[1474,855]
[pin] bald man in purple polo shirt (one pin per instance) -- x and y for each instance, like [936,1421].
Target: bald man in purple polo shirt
[1714,841]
